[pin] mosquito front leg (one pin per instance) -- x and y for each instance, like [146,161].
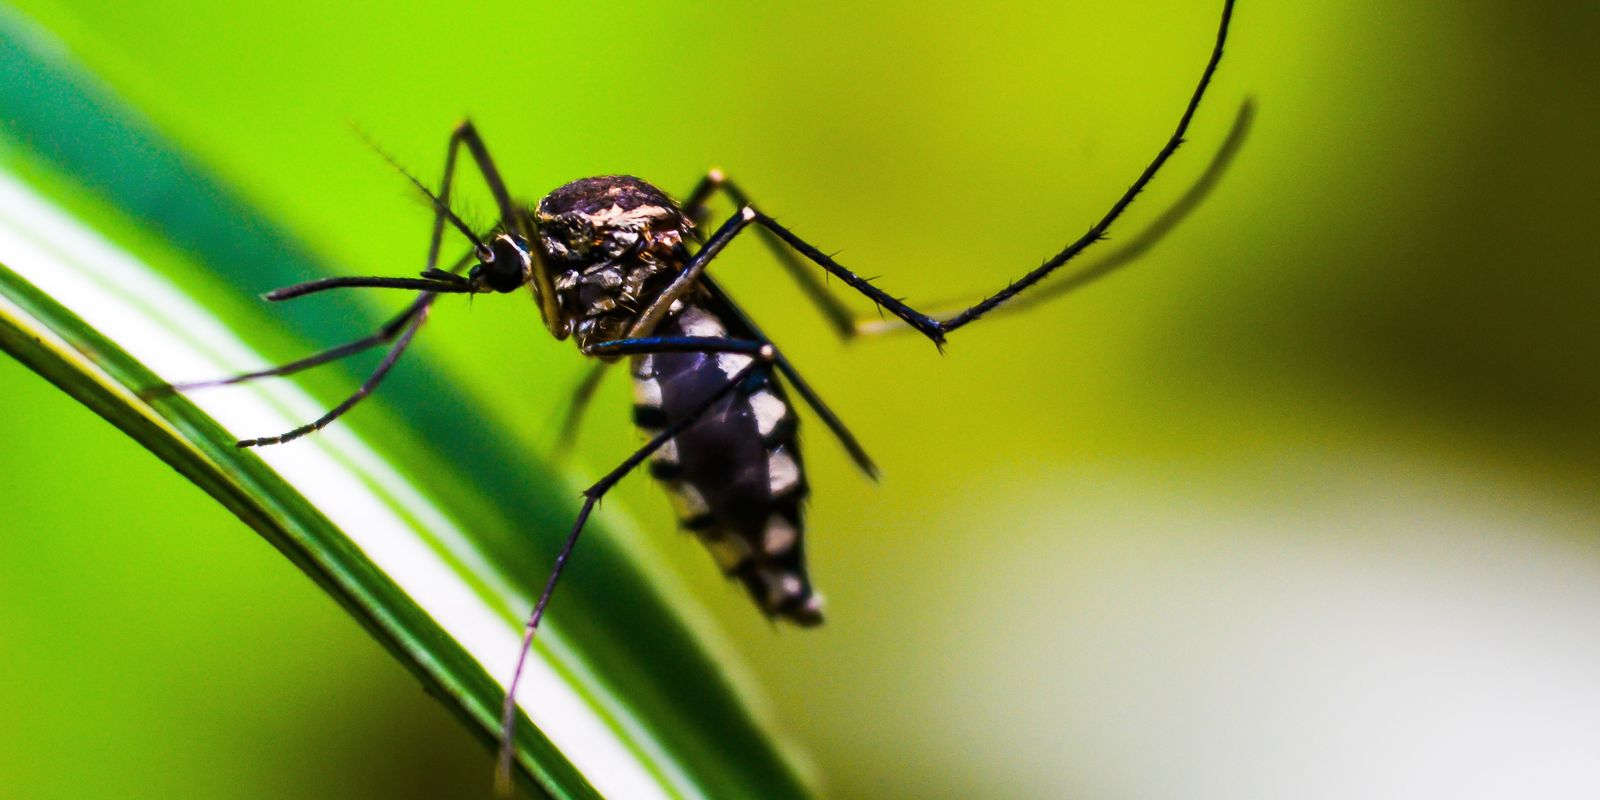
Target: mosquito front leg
[543,286]
[398,330]
[395,351]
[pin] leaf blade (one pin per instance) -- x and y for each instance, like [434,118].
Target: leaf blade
[683,715]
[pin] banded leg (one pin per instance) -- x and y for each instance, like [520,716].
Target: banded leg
[592,495]
[936,329]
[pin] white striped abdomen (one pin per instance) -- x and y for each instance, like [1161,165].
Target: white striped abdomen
[735,477]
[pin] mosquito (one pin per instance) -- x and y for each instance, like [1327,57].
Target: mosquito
[618,266]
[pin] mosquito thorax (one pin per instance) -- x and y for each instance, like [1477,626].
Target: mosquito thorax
[612,244]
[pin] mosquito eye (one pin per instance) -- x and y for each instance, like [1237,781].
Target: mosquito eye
[506,267]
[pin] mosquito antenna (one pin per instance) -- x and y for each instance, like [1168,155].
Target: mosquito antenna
[434,200]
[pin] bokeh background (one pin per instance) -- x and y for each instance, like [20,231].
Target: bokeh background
[1302,504]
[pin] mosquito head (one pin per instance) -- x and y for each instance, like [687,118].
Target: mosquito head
[611,244]
[504,264]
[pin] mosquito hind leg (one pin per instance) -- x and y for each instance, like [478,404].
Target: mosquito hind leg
[592,495]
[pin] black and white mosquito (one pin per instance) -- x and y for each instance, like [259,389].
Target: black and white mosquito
[617,265]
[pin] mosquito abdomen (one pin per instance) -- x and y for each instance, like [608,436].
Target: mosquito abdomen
[735,477]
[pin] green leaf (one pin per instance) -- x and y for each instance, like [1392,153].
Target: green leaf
[629,693]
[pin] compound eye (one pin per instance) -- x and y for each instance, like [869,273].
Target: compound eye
[507,268]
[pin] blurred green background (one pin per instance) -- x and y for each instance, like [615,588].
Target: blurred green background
[1303,504]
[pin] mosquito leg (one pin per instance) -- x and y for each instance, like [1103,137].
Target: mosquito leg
[683,344]
[694,203]
[386,333]
[434,281]
[1132,250]
[591,380]
[466,134]
[821,409]
[695,269]
[395,351]
[935,329]
[848,326]
[436,236]
[694,272]
[838,316]
[442,212]
[591,497]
